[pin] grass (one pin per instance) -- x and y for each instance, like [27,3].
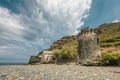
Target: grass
[110,41]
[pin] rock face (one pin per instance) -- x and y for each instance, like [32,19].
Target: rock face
[88,44]
[34,59]
[59,43]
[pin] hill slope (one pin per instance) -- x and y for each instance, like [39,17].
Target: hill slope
[109,40]
[110,34]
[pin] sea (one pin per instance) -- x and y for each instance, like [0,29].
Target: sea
[13,64]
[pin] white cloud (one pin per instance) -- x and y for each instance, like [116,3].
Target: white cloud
[10,25]
[115,21]
[7,47]
[67,14]
[39,23]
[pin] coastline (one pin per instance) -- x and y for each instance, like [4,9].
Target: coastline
[7,64]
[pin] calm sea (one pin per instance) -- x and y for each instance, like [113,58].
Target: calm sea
[13,64]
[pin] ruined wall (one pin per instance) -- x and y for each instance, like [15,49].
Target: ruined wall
[88,44]
[47,57]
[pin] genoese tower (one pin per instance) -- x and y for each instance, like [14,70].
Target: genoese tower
[88,44]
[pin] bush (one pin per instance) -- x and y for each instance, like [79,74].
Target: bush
[68,52]
[110,58]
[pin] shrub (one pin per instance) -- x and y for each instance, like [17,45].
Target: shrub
[110,58]
[68,52]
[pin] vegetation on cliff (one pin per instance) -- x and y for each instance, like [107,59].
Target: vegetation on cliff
[64,40]
[110,34]
[67,52]
[109,37]
[66,47]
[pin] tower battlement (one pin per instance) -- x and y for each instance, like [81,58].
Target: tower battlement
[87,33]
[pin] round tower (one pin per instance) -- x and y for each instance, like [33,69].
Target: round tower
[88,44]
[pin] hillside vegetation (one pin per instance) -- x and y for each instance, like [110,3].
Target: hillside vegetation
[109,42]
[110,34]
[65,48]
[109,37]
[68,51]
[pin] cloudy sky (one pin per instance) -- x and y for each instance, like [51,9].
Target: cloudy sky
[28,26]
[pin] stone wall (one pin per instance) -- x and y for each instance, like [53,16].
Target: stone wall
[47,57]
[88,44]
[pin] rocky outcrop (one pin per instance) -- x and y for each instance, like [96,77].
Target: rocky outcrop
[34,60]
[56,45]
[59,43]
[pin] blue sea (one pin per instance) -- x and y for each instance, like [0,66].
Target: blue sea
[13,64]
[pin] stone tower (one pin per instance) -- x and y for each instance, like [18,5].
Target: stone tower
[88,44]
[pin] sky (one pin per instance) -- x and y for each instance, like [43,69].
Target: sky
[29,26]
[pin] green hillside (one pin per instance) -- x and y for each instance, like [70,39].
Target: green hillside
[109,37]
[110,34]
[109,42]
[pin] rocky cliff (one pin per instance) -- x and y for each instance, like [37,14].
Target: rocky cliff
[59,43]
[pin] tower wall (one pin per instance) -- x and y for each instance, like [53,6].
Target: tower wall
[88,44]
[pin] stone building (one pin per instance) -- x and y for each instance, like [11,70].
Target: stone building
[47,57]
[88,44]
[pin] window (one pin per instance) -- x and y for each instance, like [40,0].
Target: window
[97,40]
